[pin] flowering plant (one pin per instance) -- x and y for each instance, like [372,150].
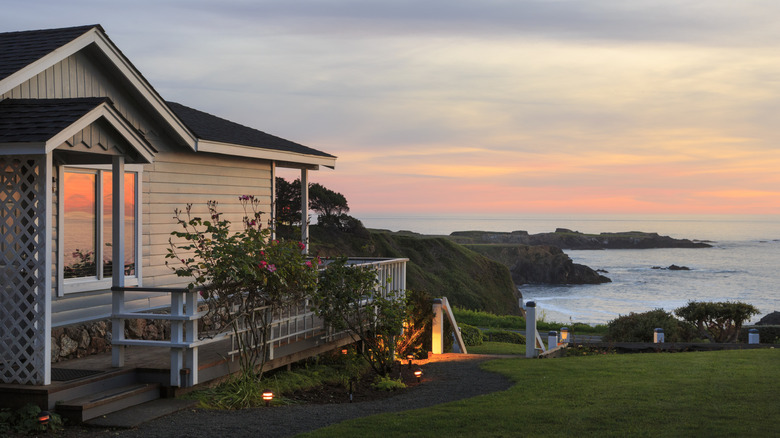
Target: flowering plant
[245,276]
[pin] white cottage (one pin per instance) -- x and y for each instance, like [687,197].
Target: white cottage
[93,162]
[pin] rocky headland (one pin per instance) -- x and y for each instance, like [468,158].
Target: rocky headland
[540,264]
[567,239]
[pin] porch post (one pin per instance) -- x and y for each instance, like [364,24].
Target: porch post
[118,256]
[273,200]
[305,209]
[25,269]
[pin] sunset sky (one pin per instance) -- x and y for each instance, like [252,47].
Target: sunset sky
[446,106]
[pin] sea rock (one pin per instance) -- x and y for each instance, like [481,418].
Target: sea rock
[673,268]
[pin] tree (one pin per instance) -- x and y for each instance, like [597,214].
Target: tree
[350,298]
[326,202]
[719,322]
[245,277]
[288,201]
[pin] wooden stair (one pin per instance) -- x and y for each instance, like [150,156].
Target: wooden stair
[107,401]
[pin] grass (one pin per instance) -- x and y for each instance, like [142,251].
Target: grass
[497,348]
[724,393]
[479,318]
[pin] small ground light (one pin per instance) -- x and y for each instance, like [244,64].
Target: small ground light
[344,351]
[44,417]
[268,395]
[418,374]
[410,357]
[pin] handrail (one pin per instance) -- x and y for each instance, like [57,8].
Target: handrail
[294,323]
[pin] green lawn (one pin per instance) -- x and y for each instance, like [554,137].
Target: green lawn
[497,348]
[706,394]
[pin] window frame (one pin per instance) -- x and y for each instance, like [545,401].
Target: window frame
[67,286]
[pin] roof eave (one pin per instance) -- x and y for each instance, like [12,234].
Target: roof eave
[265,154]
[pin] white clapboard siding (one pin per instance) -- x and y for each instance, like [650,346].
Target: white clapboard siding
[176,178]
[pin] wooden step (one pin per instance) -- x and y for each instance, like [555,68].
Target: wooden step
[101,403]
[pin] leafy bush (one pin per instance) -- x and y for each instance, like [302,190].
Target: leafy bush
[767,334]
[25,421]
[639,327]
[387,384]
[472,336]
[718,322]
[498,335]
[486,319]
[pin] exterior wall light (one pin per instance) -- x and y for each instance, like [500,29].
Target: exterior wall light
[268,395]
[418,374]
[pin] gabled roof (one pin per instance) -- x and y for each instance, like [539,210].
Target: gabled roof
[38,126]
[20,49]
[218,130]
[25,54]
[38,120]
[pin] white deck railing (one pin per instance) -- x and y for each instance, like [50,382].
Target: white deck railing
[292,324]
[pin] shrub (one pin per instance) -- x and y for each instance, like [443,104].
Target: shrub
[767,334]
[639,327]
[472,336]
[718,322]
[498,335]
[25,421]
[387,384]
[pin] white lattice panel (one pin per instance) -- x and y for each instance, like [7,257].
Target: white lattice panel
[23,246]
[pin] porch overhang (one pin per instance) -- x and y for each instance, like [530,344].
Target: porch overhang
[39,126]
[297,160]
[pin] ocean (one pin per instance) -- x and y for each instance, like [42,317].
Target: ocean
[743,264]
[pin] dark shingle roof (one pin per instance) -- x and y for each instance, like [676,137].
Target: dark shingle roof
[38,120]
[20,49]
[213,128]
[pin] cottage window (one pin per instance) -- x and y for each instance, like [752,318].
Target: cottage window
[86,262]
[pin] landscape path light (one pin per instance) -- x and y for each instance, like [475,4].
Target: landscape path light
[410,357]
[268,395]
[418,374]
[44,417]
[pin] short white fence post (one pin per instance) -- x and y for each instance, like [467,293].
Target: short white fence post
[753,336]
[658,336]
[530,329]
[437,341]
[552,339]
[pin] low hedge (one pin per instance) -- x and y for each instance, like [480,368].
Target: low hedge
[472,336]
[498,335]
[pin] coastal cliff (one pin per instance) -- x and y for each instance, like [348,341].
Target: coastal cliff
[568,239]
[436,265]
[541,264]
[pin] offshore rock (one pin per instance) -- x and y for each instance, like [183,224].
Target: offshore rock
[567,239]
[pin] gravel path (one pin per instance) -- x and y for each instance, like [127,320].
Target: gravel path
[448,378]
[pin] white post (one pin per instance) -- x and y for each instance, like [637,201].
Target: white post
[305,210]
[753,336]
[552,339]
[177,337]
[658,336]
[273,200]
[437,339]
[191,335]
[118,256]
[530,329]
